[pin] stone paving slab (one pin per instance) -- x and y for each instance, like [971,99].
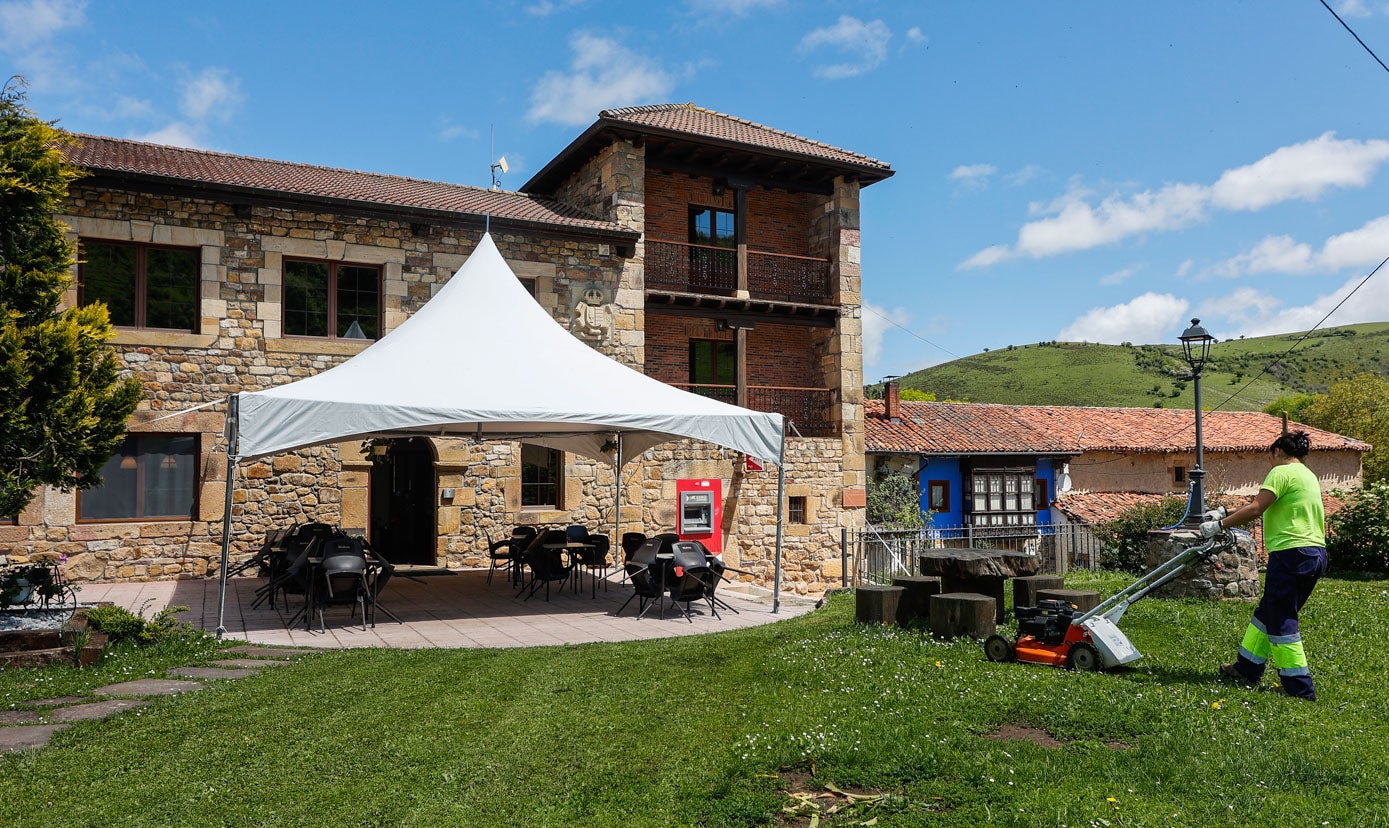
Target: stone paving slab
[14,717]
[148,687]
[249,663]
[94,710]
[211,672]
[28,736]
[252,651]
[60,700]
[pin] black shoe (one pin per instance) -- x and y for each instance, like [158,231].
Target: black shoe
[1232,672]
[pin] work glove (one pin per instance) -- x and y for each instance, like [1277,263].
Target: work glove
[1210,528]
[1218,513]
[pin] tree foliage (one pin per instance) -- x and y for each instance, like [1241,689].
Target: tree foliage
[1355,407]
[895,502]
[1359,538]
[63,405]
[1294,405]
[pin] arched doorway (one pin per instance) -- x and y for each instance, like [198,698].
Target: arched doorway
[404,517]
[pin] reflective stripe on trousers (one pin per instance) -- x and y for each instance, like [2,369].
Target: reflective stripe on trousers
[1273,632]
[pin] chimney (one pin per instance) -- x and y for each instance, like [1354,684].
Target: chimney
[892,397]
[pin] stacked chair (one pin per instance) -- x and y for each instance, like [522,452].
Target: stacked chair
[545,565]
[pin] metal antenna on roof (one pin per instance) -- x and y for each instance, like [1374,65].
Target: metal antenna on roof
[500,163]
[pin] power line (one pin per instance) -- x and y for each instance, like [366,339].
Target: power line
[910,331]
[1354,35]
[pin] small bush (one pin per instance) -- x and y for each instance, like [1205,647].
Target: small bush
[895,502]
[1359,538]
[1125,539]
[122,624]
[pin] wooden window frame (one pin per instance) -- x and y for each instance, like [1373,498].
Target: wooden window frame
[797,509]
[197,484]
[933,486]
[716,362]
[714,240]
[332,289]
[142,281]
[1179,475]
[1003,516]
[557,457]
[1041,497]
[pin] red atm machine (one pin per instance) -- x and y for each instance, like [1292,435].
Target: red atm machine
[700,512]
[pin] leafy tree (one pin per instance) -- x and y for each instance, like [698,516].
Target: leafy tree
[1295,405]
[63,405]
[1124,540]
[916,395]
[1355,407]
[895,502]
[1359,538]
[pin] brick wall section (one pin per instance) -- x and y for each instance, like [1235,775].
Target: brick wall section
[775,220]
[778,355]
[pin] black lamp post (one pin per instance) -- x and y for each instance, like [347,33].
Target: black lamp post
[1196,346]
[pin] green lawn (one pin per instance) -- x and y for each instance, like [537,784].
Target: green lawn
[712,730]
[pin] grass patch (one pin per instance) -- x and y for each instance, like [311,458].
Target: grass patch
[730,729]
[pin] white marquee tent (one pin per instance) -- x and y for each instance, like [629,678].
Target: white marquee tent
[482,359]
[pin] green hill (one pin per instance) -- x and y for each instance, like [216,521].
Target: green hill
[1074,373]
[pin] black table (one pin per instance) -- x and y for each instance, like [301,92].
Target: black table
[572,548]
[979,570]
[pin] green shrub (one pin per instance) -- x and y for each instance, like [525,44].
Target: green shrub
[122,624]
[895,502]
[1125,539]
[1359,538]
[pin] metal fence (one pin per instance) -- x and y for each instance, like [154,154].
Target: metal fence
[873,555]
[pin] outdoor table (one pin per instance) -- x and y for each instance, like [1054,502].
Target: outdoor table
[978,570]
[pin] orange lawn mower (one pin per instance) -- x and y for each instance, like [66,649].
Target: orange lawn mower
[1058,634]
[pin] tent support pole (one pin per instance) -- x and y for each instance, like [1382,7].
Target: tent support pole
[617,502]
[233,448]
[780,504]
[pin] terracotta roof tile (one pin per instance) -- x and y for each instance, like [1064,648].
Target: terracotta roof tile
[706,123]
[120,156]
[982,428]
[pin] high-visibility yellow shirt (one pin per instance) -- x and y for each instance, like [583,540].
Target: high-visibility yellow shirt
[1296,517]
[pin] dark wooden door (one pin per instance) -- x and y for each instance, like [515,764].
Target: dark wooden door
[403,496]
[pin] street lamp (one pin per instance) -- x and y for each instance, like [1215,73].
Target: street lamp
[1196,346]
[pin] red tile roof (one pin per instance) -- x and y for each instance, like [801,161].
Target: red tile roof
[697,121]
[137,159]
[987,428]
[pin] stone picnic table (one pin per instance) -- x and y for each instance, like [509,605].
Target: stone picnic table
[979,570]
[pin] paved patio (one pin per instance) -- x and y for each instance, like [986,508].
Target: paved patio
[447,609]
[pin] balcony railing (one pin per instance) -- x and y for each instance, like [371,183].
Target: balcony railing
[697,268]
[811,410]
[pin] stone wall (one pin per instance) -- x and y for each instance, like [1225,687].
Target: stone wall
[1229,575]
[1238,473]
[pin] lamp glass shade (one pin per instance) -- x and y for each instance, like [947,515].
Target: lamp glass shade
[1196,345]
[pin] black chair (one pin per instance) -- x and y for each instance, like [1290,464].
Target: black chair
[341,578]
[647,572]
[509,551]
[261,560]
[291,548]
[576,532]
[692,578]
[546,565]
[631,542]
[594,558]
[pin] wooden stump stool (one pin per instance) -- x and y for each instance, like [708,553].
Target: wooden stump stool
[1025,588]
[1084,599]
[916,600]
[962,613]
[877,603]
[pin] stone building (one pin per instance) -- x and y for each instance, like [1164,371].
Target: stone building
[715,254]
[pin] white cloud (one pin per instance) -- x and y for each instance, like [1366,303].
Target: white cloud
[1365,246]
[449,131]
[27,24]
[915,36]
[602,75]
[213,94]
[972,172]
[545,8]
[1147,318]
[1019,177]
[1252,313]
[863,44]
[1353,8]
[1185,267]
[874,325]
[1079,226]
[1118,277]
[736,8]
[176,134]
[1302,171]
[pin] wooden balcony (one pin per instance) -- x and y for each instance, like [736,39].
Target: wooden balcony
[701,269]
[810,410]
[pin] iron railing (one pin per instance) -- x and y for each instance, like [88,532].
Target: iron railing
[699,268]
[878,555]
[810,410]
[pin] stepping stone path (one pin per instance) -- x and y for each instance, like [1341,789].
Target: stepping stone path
[18,730]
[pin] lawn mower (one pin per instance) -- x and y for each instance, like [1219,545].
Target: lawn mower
[1058,634]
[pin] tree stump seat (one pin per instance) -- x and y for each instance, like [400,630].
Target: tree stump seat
[1083,599]
[954,614]
[877,603]
[1026,587]
[916,600]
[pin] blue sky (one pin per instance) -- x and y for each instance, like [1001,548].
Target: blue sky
[1081,170]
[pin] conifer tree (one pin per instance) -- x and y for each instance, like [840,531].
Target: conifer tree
[63,404]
